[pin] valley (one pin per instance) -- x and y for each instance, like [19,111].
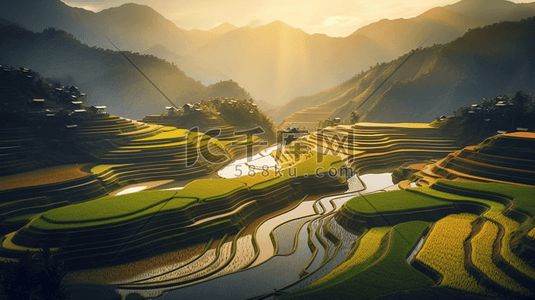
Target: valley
[263,162]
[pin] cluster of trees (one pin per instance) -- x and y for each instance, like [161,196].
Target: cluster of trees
[506,113]
[36,275]
[240,113]
[354,117]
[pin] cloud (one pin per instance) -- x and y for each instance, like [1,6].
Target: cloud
[339,21]
[254,23]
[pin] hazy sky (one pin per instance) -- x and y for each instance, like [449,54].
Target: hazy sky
[334,18]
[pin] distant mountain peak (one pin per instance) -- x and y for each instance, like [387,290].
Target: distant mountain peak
[475,6]
[223,28]
[279,26]
[132,9]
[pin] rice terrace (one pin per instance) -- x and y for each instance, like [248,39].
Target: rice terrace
[133,166]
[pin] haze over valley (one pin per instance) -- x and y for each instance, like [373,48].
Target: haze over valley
[273,62]
[269,150]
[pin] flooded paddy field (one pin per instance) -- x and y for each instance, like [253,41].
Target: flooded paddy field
[286,252]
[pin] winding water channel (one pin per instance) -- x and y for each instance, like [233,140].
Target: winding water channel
[293,251]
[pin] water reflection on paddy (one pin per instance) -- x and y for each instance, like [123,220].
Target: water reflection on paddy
[285,235]
[263,238]
[241,167]
[267,277]
[281,271]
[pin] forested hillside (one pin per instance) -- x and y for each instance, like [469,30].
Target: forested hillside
[105,75]
[434,81]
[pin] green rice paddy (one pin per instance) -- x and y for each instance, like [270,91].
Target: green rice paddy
[395,201]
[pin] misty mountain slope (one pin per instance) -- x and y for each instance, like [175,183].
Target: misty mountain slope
[131,26]
[488,61]
[192,66]
[437,25]
[223,28]
[322,103]
[495,59]
[275,62]
[137,27]
[303,102]
[106,76]
[443,24]
[490,11]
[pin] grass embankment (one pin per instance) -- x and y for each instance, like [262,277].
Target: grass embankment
[523,197]
[444,252]
[167,133]
[388,274]
[392,125]
[368,246]
[394,201]
[124,272]
[43,177]
[448,261]
[117,209]
[305,168]
[102,168]
[112,209]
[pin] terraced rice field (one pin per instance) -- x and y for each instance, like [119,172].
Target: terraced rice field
[504,158]
[444,252]
[368,245]
[371,146]
[141,153]
[482,251]
[461,237]
[118,226]
[388,273]
[43,177]
[298,259]
[493,267]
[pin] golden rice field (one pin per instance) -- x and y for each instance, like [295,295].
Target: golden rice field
[132,271]
[43,176]
[531,233]
[369,245]
[443,251]
[482,258]
[167,133]
[510,227]
[395,125]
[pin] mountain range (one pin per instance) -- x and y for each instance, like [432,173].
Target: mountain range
[275,62]
[105,75]
[433,81]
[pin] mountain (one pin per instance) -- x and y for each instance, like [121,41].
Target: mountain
[137,27]
[106,76]
[492,60]
[443,24]
[131,26]
[193,67]
[490,11]
[223,28]
[275,62]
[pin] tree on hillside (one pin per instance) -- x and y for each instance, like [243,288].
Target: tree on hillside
[325,123]
[505,113]
[354,117]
